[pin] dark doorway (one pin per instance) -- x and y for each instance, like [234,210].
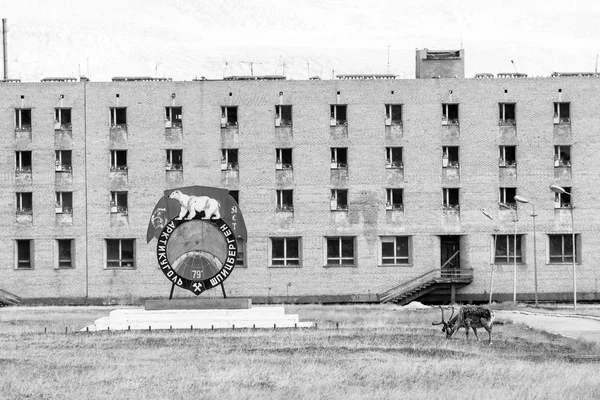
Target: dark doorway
[450,254]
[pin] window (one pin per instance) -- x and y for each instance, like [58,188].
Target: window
[449,114]
[285,251]
[505,249]
[507,114]
[118,117]
[173,117]
[561,248]
[340,251]
[285,200]
[395,250]
[24,203]
[508,156]
[339,157]
[507,197]
[23,119]
[64,202]
[241,254]
[562,113]
[339,200]
[120,253]
[65,253]
[563,200]
[393,157]
[118,202]
[450,198]
[118,160]
[236,195]
[450,156]
[562,156]
[229,117]
[24,254]
[283,115]
[284,159]
[338,115]
[23,161]
[229,159]
[393,199]
[63,160]
[393,114]
[62,119]
[174,160]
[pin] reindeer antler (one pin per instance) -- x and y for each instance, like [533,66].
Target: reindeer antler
[442,322]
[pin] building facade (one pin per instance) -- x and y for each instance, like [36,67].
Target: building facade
[348,188]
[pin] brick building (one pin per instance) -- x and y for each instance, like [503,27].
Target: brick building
[349,188]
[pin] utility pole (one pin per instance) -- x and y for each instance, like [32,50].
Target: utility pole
[251,66]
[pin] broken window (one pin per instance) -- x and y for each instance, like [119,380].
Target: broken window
[24,254]
[339,199]
[339,158]
[284,159]
[62,119]
[563,200]
[340,251]
[507,114]
[507,197]
[395,250]
[64,202]
[283,115]
[561,248]
[120,253]
[118,202]
[450,198]
[338,115]
[449,114]
[63,160]
[393,199]
[241,252]
[23,119]
[24,203]
[508,156]
[118,117]
[173,117]
[118,160]
[285,251]
[174,160]
[229,159]
[285,200]
[393,157]
[562,156]
[65,253]
[23,161]
[393,114]
[450,156]
[505,249]
[562,113]
[229,117]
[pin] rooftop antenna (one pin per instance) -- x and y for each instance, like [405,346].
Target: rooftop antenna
[225,69]
[4,50]
[388,59]
[283,65]
[514,66]
[156,64]
[251,66]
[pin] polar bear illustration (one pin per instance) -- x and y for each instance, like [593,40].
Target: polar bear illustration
[191,205]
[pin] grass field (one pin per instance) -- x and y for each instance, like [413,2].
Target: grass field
[378,352]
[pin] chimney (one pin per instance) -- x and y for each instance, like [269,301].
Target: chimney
[4,48]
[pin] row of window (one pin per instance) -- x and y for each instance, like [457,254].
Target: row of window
[394,200]
[287,251]
[283,116]
[284,159]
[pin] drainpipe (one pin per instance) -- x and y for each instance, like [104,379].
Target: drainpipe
[87,259]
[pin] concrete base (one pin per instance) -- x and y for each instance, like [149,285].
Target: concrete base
[198,304]
[256,317]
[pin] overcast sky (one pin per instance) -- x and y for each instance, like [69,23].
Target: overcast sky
[184,39]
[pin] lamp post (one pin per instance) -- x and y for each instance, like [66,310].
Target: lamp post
[521,199]
[484,211]
[515,219]
[561,190]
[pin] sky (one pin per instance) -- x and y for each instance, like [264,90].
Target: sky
[187,39]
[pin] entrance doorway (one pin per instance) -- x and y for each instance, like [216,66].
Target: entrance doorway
[450,254]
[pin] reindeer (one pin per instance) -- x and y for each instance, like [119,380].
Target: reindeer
[469,317]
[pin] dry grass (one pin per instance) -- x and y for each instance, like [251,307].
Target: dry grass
[377,352]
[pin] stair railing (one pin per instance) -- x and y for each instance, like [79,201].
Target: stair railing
[411,284]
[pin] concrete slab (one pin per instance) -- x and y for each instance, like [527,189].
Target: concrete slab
[268,317]
[198,304]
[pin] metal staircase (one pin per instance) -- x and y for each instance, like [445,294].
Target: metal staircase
[8,299]
[426,283]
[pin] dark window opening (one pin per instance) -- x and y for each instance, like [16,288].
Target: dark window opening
[174,160]
[339,199]
[338,115]
[118,117]
[285,251]
[64,202]
[561,248]
[394,200]
[507,114]
[563,200]
[284,159]
[393,114]
[23,119]
[340,251]
[450,114]
[450,198]
[236,195]
[450,156]
[508,156]
[505,249]
[283,115]
[339,157]
[507,197]
[118,160]
[562,156]
[173,117]
[24,254]
[395,250]
[118,202]
[62,119]
[120,253]
[285,200]
[23,161]
[229,159]
[63,160]
[65,253]
[229,117]
[241,253]
[24,202]
[393,157]
[562,113]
